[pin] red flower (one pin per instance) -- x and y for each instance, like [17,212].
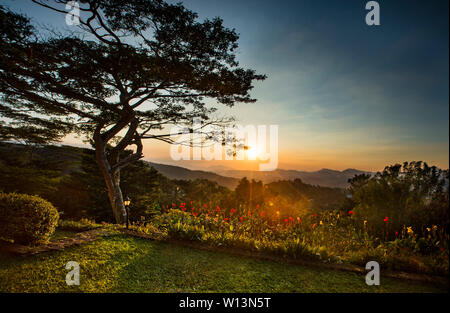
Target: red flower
[350,212]
[241,218]
[313,225]
[218,209]
[173,204]
[204,205]
[291,218]
[315,215]
[386,219]
[286,220]
[249,213]
[396,233]
[195,214]
[184,209]
[225,219]
[257,206]
[263,213]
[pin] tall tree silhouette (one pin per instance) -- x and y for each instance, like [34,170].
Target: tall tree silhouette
[135,68]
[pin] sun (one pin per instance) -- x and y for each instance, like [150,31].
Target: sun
[252,153]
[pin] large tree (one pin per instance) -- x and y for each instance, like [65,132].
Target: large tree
[130,70]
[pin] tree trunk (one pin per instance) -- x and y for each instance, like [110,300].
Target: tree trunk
[112,180]
[111,167]
[115,197]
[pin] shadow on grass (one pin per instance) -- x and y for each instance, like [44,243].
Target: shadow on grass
[161,267]
[120,263]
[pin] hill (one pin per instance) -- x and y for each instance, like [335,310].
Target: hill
[177,172]
[323,177]
[224,177]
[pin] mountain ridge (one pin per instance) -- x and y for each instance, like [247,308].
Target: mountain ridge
[230,178]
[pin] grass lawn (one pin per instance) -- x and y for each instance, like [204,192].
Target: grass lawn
[125,264]
[61,234]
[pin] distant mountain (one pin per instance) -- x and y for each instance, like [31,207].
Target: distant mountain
[71,156]
[230,178]
[324,177]
[178,172]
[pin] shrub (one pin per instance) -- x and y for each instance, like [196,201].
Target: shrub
[26,219]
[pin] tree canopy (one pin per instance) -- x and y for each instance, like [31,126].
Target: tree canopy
[412,194]
[134,69]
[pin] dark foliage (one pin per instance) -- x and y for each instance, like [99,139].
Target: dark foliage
[412,194]
[26,219]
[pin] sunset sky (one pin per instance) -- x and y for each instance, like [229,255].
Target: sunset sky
[344,94]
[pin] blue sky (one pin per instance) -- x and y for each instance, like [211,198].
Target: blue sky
[343,94]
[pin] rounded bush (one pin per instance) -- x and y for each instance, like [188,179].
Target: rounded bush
[26,219]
